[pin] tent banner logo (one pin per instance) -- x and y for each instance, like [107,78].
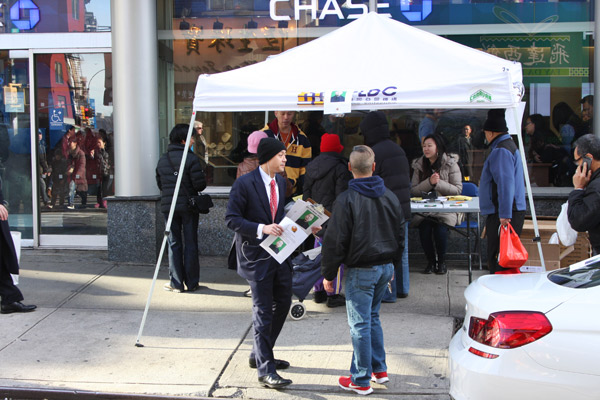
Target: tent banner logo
[371,96]
[310,99]
[481,96]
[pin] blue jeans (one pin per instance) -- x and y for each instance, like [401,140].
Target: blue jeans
[401,272]
[184,266]
[365,288]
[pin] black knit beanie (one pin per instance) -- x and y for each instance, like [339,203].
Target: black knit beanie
[268,148]
[374,120]
[495,121]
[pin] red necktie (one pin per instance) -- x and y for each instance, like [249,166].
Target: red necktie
[273,202]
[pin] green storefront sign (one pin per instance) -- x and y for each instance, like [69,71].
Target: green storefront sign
[562,58]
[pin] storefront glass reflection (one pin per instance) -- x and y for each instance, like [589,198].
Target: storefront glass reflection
[75,137]
[15,143]
[26,16]
[209,38]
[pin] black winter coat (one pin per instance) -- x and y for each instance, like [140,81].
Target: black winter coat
[8,255]
[363,232]
[390,163]
[584,210]
[326,178]
[166,179]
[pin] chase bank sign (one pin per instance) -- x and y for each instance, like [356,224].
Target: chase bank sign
[412,12]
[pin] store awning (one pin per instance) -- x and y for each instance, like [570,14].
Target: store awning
[380,62]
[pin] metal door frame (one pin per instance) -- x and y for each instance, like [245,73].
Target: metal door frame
[54,241]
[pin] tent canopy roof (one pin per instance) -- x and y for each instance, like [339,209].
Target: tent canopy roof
[383,63]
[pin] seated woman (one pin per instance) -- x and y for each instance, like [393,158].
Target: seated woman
[437,171]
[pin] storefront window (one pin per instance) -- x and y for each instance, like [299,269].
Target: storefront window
[15,143]
[218,36]
[75,142]
[26,16]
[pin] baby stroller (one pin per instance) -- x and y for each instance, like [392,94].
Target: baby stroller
[306,271]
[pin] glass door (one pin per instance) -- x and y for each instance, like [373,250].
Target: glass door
[15,142]
[74,147]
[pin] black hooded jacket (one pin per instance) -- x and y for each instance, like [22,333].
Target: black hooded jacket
[390,159]
[193,178]
[366,228]
[326,178]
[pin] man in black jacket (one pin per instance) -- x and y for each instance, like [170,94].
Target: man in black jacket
[184,267]
[10,295]
[392,165]
[366,233]
[584,201]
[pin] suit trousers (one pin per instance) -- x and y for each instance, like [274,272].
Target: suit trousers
[9,293]
[492,224]
[271,300]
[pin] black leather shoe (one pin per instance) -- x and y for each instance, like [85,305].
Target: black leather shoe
[17,306]
[274,381]
[441,268]
[429,269]
[279,364]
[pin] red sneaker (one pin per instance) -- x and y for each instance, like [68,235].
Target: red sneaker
[345,383]
[380,377]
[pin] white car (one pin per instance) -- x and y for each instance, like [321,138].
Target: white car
[530,336]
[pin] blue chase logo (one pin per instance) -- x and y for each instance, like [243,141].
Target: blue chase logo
[25,14]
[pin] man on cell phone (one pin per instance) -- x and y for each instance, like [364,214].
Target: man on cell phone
[584,200]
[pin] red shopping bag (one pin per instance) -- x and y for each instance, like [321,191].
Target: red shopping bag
[512,253]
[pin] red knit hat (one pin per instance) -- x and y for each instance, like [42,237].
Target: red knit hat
[331,142]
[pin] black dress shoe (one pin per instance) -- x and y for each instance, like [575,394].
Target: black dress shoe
[429,269]
[274,381]
[279,364]
[441,268]
[17,306]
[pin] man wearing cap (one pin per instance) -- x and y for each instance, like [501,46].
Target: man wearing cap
[327,177]
[255,208]
[502,185]
[298,149]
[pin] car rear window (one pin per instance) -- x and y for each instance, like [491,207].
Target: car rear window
[579,276]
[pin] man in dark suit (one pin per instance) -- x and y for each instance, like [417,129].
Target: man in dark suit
[256,206]
[10,295]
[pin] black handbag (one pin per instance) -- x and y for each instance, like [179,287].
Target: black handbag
[200,203]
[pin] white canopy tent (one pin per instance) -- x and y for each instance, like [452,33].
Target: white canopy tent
[419,69]
[380,64]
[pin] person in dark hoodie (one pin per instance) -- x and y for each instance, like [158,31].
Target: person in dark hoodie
[391,165]
[326,178]
[366,233]
[184,267]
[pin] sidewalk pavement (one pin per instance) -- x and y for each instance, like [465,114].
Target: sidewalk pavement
[80,342]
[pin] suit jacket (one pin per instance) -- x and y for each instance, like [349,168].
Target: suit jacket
[248,207]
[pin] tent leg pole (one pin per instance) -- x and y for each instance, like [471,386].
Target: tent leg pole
[167,227]
[529,194]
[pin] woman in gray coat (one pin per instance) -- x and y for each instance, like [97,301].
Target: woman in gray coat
[437,171]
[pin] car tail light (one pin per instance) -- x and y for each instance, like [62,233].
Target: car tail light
[509,329]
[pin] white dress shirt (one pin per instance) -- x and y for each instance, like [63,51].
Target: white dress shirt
[267,182]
